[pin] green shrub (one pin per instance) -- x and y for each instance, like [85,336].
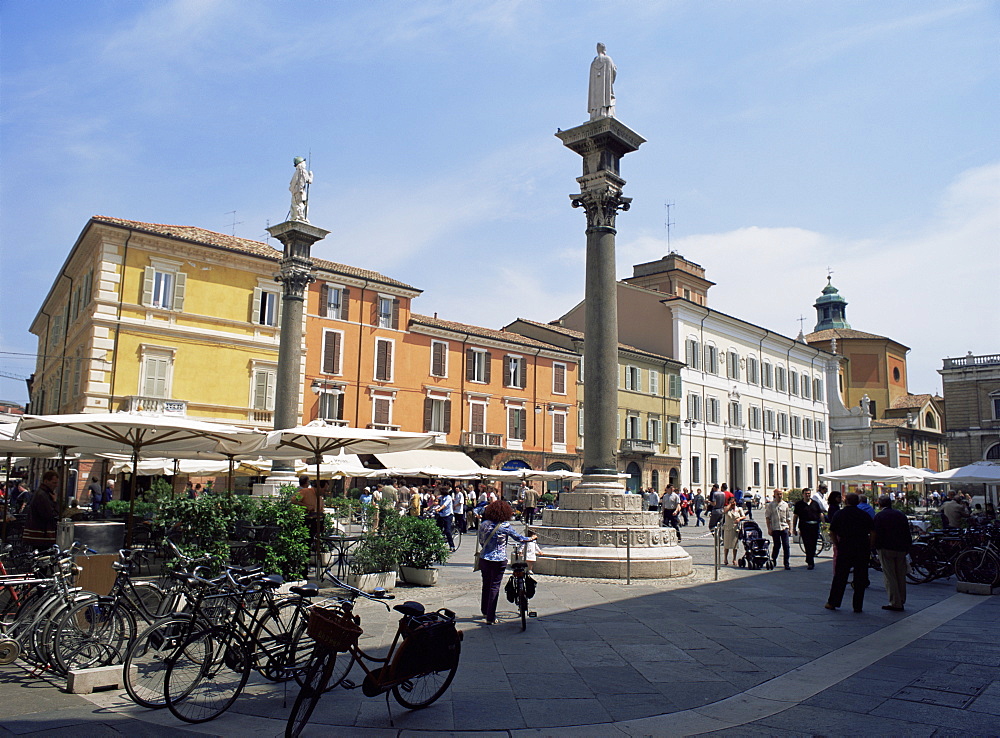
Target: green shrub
[422,543]
[381,545]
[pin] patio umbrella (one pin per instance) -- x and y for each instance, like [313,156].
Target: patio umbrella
[11,447]
[143,435]
[872,471]
[978,472]
[168,467]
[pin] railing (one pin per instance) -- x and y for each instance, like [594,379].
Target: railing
[383,426]
[984,360]
[637,446]
[736,432]
[155,405]
[261,417]
[482,440]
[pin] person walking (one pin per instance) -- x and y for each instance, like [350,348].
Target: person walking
[778,519]
[717,505]
[852,532]
[530,502]
[685,505]
[806,516]
[892,540]
[731,530]
[699,507]
[652,500]
[669,503]
[96,493]
[43,513]
[495,531]
[444,511]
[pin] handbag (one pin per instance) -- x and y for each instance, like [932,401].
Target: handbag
[476,558]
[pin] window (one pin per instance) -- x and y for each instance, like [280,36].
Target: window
[559,428]
[632,426]
[806,387]
[439,359]
[820,430]
[265,307]
[753,370]
[793,382]
[514,371]
[807,428]
[387,312]
[263,389]
[784,475]
[995,401]
[772,480]
[383,360]
[695,469]
[56,331]
[929,420]
[633,378]
[798,476]
[818,389]
[654,382]
[334,302]
[381,411]
[755,418]
[779,379]
[517,423]
[733,365]
[655,429]
[579,421]
[711,360]
[692,353]
[477,366]
[437,415]
[767,375]
[783,423]
[713,413]
[755,474]
[881,450]
[163,286]
[558,379]
[332,347]
[477,417]
[769,421]
[796,426]
[674,385]
[157,366]
[77,366]
[713,469]
[809,477]
[331,405]
[674,433]
[694,407]
[735,414]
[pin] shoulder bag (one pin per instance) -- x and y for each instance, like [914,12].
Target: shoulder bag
[476,558]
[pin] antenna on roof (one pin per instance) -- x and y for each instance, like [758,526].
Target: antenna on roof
[235,222]
[667,223]
[267,233]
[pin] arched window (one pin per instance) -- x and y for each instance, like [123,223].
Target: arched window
[634,481]
[993,452]
[654,479]
[929,420]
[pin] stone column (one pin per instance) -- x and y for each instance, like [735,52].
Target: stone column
[599,530]
[295,275]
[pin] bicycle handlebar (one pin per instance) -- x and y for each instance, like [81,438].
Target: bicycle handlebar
[380,595]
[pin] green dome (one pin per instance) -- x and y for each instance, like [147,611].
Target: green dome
[831,309]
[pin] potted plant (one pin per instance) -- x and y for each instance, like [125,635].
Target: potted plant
[376,559]
[421,546]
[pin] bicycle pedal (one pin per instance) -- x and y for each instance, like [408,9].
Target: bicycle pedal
[532,614]
[348,684]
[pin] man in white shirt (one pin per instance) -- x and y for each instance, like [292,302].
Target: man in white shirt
[669,503]
[779,520]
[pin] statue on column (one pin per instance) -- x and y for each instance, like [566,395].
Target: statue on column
[601,97]
[299,188]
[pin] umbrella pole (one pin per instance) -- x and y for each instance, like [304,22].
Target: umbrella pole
[229,480]
[173,482]
[131,494]
[320,519]
[6,500]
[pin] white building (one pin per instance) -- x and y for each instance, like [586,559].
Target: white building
[754,402]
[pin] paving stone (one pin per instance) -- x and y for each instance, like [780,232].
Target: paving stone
[635,705]
[854,700]
[486,711]
[543,686]
[823,721]
[688,695]
[554,713]
[614,679]
[977,723]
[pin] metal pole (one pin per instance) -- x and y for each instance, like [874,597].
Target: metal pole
[715,540]
[6,499]
[628,556]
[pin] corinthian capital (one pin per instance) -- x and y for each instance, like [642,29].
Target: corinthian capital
[601,204]
[295,277]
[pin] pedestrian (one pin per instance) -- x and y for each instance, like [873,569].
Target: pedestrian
[731,530]
[415,502]
[43,513]
[652,500]
[96,492]
[307,497]
[444,512]
[864,505]
[954,513]
[699,507]
[530,501]
[852,532]
[495,531]
[717,505]
[778,519]
[892,540]
[749,499]
[806,517]
[833,503]
[685,505]
[669,503]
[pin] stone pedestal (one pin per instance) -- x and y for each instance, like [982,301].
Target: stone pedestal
[599,531]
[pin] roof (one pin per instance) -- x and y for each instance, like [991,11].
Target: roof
[475,330]
[193,234]
[910,401]
[556,328]
[841,333]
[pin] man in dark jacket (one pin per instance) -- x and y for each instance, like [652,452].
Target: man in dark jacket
[43,513]
[892,539]
[852,532]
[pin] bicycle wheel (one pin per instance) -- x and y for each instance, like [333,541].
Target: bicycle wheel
[92,634]
[314,684]
[921,567]
[147,598]
[522,604]
[146,659]
[421,691]
[283,645]
[206,674]
[979,566]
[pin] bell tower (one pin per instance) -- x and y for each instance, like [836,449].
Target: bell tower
[831,309]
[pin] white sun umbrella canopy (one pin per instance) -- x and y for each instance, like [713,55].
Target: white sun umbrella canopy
[872,471]
[169,467]
[978,472]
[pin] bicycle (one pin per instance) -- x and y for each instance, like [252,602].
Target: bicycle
[981,563]
[456,533]
[823,542]
[517,587]
[418,668]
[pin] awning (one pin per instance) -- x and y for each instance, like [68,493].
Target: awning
[454,461]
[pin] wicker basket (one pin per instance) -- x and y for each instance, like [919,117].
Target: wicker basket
[333,628]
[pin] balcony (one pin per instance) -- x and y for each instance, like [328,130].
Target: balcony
[970,361]
[261,417]
[638,446]
[154,405]
[735,433]
[383,427]
[482,440]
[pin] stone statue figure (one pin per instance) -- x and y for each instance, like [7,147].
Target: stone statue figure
[601,97]
[866,405]
[299,188]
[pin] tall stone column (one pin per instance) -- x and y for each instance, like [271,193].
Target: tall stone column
[295,275]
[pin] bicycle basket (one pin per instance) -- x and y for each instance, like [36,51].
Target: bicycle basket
[333,628]
[431,643]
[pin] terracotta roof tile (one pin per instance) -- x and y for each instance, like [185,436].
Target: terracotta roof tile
[579,335]
[476,330]
[909,401]
[839,333]
[193,234]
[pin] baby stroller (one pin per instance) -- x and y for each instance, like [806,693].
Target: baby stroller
[756,548]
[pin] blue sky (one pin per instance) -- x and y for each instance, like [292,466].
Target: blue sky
[791,136]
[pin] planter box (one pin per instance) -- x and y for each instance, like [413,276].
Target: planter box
[370,582]
[421,577]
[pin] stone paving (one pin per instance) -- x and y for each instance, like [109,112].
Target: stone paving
[754,653]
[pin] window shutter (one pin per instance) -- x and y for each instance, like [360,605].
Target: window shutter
[381,411]
[258,295]
[512,423]
[579,421]
[488,368]
[180,282]
[428,413]
[383,361]
[259,390]
[470,365]
[447,416]
[478,418]
[345,297]
[559,379]
[148,277]
[559,428]
[279,303]
[331,353]
[395,314]
[375,311]
[324,301]
[508,371]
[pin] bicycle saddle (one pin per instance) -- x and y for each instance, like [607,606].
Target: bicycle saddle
[410,608]
[305,590]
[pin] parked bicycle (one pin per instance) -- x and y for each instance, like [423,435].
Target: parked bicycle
[520,586]
[417,670]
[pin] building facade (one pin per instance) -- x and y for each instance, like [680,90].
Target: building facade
[972,402]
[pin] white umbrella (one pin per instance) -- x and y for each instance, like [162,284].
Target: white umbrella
[871,471]
[313,442]
[168,467]
[12,449]
[924,474]
[978,472]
